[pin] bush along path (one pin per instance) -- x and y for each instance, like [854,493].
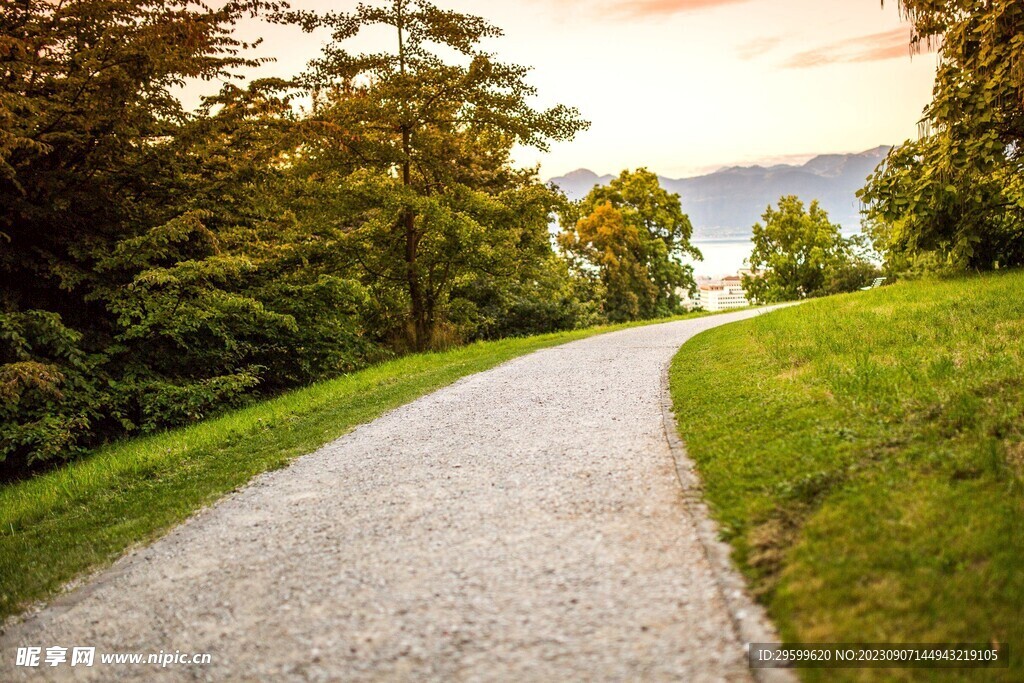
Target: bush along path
[526,522]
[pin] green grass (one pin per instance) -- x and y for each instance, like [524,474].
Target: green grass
[864,455]
[79,517]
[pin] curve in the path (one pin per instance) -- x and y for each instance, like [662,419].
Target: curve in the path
[525,523]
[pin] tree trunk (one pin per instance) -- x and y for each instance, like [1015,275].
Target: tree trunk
[418,308]
[417,303]
[421,322]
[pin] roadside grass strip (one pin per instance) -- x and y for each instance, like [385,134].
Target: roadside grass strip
[864,455]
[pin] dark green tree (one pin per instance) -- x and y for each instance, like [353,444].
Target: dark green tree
[87,105]
[157,264]
[88,167]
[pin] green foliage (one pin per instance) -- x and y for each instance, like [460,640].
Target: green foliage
[161,265]
[541,297]
[86,84]
[799,253]
[422,142]
[52,392]
[958,192]
[869,470]
[469,243]
[138,321]
[630,238]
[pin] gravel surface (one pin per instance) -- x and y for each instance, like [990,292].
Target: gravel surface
[525,523]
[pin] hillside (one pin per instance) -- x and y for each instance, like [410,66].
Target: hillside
[729,201]
[869,469]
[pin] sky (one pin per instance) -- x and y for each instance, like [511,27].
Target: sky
[687,86]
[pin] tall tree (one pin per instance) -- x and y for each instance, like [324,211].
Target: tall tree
[957,193]
[435,135]
[656,243]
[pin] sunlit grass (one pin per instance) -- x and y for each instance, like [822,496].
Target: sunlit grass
[864,455]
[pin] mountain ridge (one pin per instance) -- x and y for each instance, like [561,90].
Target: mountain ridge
[727,202]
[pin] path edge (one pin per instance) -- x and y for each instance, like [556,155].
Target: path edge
[748,618]
[83,584]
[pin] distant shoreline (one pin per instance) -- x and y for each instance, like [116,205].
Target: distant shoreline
[735,239]
[722,255]
[722,240]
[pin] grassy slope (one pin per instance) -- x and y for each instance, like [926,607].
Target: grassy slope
[76,518]
[864,455]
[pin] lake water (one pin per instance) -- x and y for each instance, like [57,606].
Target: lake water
[721,256]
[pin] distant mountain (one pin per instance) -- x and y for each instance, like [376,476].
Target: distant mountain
[729,201]
[578,183]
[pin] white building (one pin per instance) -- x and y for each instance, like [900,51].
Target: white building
[720,295]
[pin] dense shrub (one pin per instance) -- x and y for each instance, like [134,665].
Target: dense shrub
[52,394]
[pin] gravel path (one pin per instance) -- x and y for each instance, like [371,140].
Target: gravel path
[525,523]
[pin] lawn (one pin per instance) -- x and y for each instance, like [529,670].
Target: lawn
[82,516]
[864,455]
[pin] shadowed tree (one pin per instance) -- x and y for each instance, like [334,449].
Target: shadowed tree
[86,107]
[152,267]
[95,192]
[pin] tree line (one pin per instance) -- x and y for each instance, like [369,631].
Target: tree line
[160,264]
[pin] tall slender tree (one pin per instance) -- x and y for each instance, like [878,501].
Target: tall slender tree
[434,118]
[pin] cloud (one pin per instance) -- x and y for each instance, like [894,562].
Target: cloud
[758,47]
[870,48]
[638,9]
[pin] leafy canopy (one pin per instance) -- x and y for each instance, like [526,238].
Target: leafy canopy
[423,134]
[956,195]
[634,236]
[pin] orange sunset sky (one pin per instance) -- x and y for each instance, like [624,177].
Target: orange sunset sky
[687,86]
